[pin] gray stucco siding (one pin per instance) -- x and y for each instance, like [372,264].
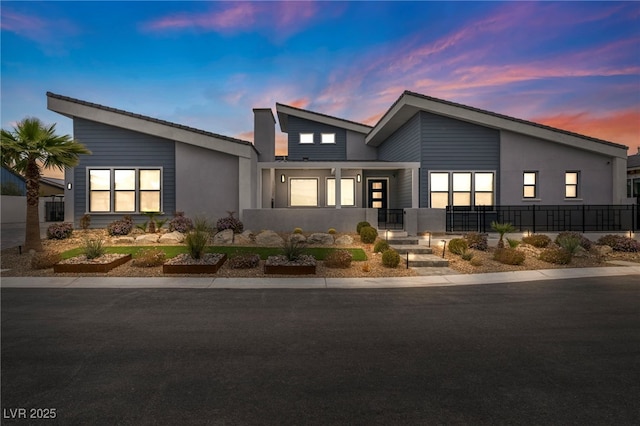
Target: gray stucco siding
[316,151]
[114,147]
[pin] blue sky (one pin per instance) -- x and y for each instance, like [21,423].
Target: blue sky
[572,65]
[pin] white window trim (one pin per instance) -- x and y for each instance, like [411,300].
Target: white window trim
[351,178]
[303,178]
[306,143]
[322,136]
[473,185]
[112,190]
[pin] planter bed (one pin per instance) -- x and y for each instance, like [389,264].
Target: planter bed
[306,265]
[91,267]
[209,265]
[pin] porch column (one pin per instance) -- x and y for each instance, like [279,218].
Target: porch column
[415,188]
[272,188]
[338,177]
[245,195]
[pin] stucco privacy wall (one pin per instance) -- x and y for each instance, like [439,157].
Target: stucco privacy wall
[282,189]
[519,153]
[310,220]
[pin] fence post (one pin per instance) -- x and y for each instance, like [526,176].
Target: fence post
[534,219]
[583,219]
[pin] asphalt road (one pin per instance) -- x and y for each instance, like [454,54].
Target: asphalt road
[549,352]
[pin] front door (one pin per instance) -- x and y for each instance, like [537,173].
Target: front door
[377,193]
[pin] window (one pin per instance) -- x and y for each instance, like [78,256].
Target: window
[633,188]
[461,189]
[125,190]
[483,189]
[303,192]
[571,184]
[530,185]
[439,190]
[306,137]
[328,138]
[347,192]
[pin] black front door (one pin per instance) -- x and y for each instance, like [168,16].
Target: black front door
[377,193]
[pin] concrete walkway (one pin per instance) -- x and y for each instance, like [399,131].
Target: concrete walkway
[318,283]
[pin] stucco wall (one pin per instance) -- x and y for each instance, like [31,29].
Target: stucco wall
[310,220]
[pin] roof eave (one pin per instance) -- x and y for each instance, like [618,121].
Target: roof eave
[284,111]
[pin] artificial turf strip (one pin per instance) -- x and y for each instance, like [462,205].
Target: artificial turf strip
[171,251]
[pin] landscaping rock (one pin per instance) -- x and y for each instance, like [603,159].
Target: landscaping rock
[580,252]
[223,237]
[174,237]
[269,238]
[147,239]
[123,240]
[529,250]
[242,239]
[601,250]
[344,240]
[320,238]
[298,238]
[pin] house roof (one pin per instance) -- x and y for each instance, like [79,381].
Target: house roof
[633,161]
[58,183]
[72,107]
[284,111]
[409,103]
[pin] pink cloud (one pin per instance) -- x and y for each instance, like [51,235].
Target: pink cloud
[48,33]
[299,103]
[237,16]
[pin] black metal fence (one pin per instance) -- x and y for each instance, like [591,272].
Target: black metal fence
[390,218]
[579,218]
[54,211]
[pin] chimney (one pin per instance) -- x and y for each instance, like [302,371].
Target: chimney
[264,134]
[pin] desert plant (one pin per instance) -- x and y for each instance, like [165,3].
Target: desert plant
[93,248]
[380,246]
[390,258]
[585,243]
[537,240]
[297,230]
[45,259]
[476,261]
[160,223]
[230,222]
[368,234]
[293,249]
[180,223]
[196,242]
[151,222]
[143,226]
[467,255]
[85,221]
[509,256]
[477,241]
[458,246]
[502,228]
[244,261]
[338,259]
[59,231]
[201,224]
[570,243]
[149,257]
[620,243]
[513,243]
[120,227]
[557,255]
[366,267]
[361,225]
[332,231]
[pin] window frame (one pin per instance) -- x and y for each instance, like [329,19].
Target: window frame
[353,188]
[451,191]
[576,185]
[113,191]
[289,185]
[526,185]
[322,138]
[301,140]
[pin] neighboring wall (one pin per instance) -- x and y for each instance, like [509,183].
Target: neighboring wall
[310,220]
[316,151]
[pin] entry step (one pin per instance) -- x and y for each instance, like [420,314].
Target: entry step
[411,248]
[426,260]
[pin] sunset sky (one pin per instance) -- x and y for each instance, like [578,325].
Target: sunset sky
[572,65]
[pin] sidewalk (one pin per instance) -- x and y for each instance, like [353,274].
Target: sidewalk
[317,283]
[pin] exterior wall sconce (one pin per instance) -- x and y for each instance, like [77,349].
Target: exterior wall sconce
[282,178]
[358,178]
[69,185]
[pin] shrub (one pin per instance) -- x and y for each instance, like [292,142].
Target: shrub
[149,257]
[458,246]
[85,221]
[537,240]
[292,249]
[390,258]
[297,231]
[620,243]
[477,241]
[476,261]
[120,227]
[502,228]
[557,255]
[45,259]
[368,235]
[513,243]
[585,243]
[467,255]
[508,256]
[244,261]
[380,246]
[332,231]
[196,242]
[361,225]
[93,248]
[180,223]
[201,224]
[570,243]
[59,231]
[338,259]
[366,267]
[230,222]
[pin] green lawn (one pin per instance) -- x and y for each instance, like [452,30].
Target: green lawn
[318,252]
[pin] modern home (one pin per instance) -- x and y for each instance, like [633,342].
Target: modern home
[423,155]
[633,176]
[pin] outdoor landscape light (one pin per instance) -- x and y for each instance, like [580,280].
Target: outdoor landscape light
[282,178]
[444,248]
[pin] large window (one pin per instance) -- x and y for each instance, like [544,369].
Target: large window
[530,185]
[128,190]
[571,181]
[347,192]
[303,192]
[461,189]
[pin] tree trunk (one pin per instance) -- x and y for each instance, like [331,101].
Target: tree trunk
[32,232]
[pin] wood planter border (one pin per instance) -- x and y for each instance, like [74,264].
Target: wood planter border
[290,269]
[84,268]
[194,269]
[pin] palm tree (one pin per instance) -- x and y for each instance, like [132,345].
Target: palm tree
[28,147]
[502,228]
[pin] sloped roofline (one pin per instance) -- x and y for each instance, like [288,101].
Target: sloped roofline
[285,110]
[72,107]
[410,103]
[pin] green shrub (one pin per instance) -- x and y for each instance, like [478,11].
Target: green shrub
[85,221]
[93,248]
[59,231]
[390,258]
[338,259]
[467,255]
[458,246]
[557,255]
[230,222]
[620,243]
[244,261]
[477,241]
[513,243]
[196,242]
[380,246]
[585,243]
[149,257]
[293,249]
[45,259]
[476,261]
[570,243]
[502,228]
[508,256]
[332,231]
[361,225]
[368,235]
[537,240]
[297,231]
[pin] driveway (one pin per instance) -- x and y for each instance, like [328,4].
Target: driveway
[546,352]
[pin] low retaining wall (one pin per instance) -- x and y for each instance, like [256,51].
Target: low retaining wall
[310,220]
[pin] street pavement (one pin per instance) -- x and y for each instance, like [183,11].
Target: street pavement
[517,353]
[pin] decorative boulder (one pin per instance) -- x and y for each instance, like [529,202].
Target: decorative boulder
[242,239]
[320,238]
[602,250]
[344,240]
[123,240]
[269,238]
[297,238]
[223,237]
[174,237]
[529,250]
[147,239]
